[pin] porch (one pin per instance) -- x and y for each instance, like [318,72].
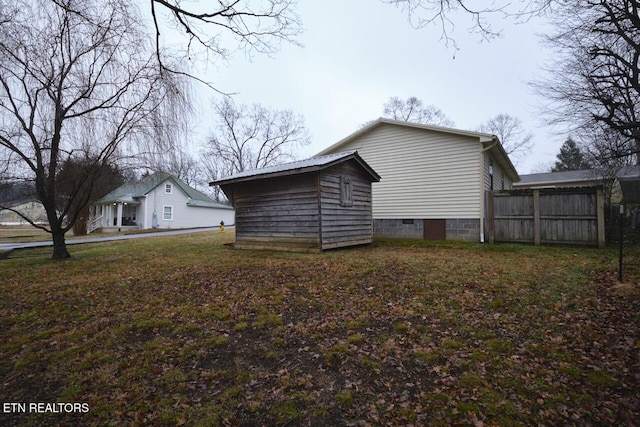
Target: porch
[118,229]
[114,217]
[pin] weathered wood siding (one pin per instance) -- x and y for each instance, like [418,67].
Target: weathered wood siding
[345,225]
[562,216]
[278,213]
[425,174]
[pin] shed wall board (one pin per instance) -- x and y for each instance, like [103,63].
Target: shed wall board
[277,212]
[345,224]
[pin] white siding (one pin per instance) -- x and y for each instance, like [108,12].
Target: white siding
[425,174]
[500,179]
[184,216]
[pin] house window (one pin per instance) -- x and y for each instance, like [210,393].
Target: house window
[346,191]
[168,188]
[167,213]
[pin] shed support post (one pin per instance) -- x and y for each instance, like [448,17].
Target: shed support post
[536,217]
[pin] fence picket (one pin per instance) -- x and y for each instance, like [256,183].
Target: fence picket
[556,216]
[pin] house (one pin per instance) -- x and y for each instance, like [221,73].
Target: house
[621,186]
[31,208]
[583,178]
[159,200]
[310,205]
[20,197]
[563,179]
[435,178]
[629,182]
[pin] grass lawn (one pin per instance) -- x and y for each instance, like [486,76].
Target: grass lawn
[24,233]
[28,233]
[187,331]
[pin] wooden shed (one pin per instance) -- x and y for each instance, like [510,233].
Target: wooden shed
[310,205]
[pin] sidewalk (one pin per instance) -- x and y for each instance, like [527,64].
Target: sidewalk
[4,247]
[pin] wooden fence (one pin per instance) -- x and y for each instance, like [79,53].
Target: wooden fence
[573,216]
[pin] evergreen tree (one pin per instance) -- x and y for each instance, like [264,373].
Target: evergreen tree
[570,158]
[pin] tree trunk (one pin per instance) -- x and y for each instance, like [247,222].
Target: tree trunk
[59,245]
[80,226]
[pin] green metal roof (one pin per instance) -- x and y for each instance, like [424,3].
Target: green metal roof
[132,191]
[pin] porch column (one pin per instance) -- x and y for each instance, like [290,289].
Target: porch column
[119,217]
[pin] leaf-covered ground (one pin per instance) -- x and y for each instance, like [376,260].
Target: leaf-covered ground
[188,331]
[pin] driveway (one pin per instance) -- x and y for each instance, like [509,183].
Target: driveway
[8,247]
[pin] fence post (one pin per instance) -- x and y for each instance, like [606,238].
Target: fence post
[600,217]
[536,217]
[490,217]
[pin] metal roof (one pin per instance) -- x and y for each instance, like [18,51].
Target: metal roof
[301,166]
[131,192]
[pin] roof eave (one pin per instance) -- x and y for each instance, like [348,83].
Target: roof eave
[483,137]
[510,168]
[306,169]
[265,175]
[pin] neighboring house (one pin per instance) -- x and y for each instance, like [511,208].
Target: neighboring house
[310,205]
[159,200]
[31,208]
[623,186]
[630,184]
[21,197]
[563,179]
[434,178]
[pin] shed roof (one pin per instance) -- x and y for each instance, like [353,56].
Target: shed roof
[303,166]
[130,192]
[489,141]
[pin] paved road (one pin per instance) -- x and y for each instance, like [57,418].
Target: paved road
[104,238]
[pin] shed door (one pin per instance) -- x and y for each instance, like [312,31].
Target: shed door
[435,229]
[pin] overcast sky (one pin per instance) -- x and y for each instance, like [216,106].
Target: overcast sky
[358,53]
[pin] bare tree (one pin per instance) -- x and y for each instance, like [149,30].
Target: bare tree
[542,167]
[607,148]
[594,80]
[413,110]
[595,77]
[72,180]
[167,147]
[603,151]
[254,26]
[251,137]
[444,14]
[516,141]
[78,81]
